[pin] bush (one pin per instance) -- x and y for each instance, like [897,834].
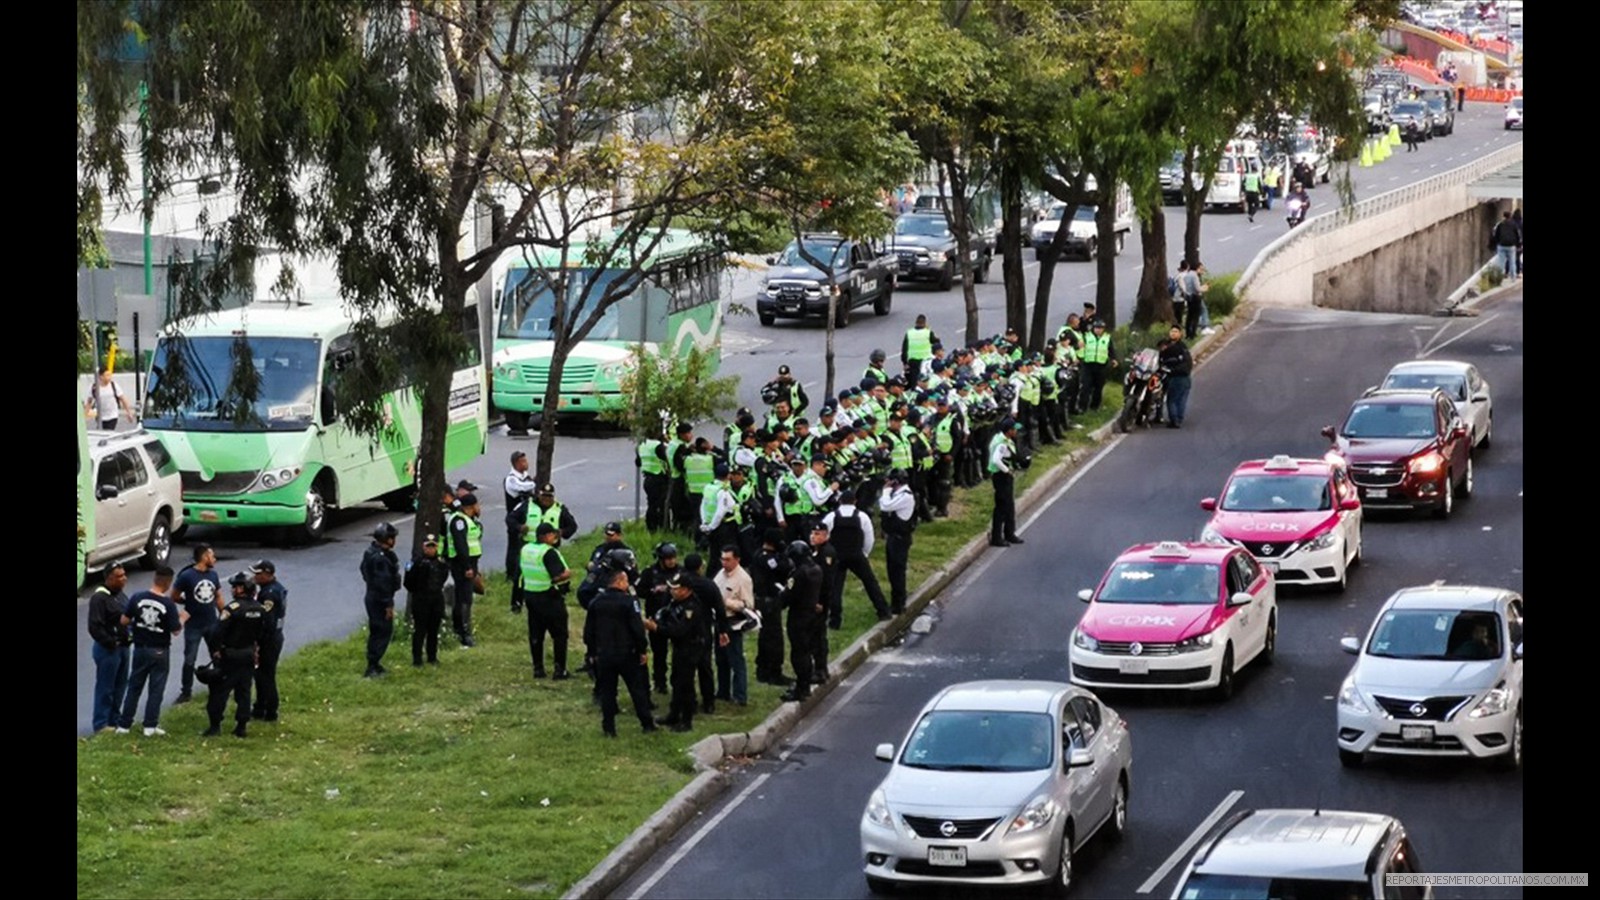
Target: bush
[1491,278]
[89,365]
[1129,341]
[1221,298]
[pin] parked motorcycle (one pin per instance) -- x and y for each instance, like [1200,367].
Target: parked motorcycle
[1143,391]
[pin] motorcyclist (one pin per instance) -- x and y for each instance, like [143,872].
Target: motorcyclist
[1298,203]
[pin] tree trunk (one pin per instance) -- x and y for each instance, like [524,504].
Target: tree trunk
[955,175]
[1153,304]
[1047,269]
[1194,205]
[833,314]
[545,455]
[1011,232]
[1105,257]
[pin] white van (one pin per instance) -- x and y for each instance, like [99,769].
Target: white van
[1227,186]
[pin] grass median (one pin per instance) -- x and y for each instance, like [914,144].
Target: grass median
[466,779]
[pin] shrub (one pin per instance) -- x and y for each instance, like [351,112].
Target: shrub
[1491,278]
[1221,297]
[89,365]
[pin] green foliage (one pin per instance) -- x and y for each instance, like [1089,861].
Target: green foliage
[664,390]
[1222,295]
[88,364]
[1491,278]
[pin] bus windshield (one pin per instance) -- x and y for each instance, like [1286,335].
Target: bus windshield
[193,385]
[530,304]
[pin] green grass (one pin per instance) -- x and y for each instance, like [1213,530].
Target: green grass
[468,779]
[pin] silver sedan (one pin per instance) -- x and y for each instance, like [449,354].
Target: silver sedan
[998,783]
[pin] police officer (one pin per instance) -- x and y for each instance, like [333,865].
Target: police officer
[947,436]
[651,459]
[424,578]
[719,511]
[274,598]
[380,569]
[654,590]
[595,574]
[678,506]
[1097,358]
[803,599]
[234,644]
[464,545]
[1003,461]
[544,580]
[699,472]
[519,488]
[709,595]
[680,622]
[548,510]
[915,348]
[898,504]
[850,530]
[794,501]
[875,369]
[614,634]
[769,570]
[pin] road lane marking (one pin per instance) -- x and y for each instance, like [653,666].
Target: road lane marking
[1135,267]
[1188,844]
[698,835]
[1225,238]
[1089,283]
[576,462]
[1068,486]
[1429,351]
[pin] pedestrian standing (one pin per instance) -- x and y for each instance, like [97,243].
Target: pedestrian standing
[380,570]
[105,398]
[1503,241]
[152,619]
[1003,460]
[1178,362]
[235,648]
[711,619]
[519,490]
[424,578]
[1411,135]
[464,547]
[850,532]
[680,623]
[274,598]
[898,506]
[916,348]
[655,590]
[1099,356]
[198,589]
[650,457]
[1461,97]
[1252,190]
[544,580]
[1270,181]
[614,635]
[738,597]
[803,599]
[110,651]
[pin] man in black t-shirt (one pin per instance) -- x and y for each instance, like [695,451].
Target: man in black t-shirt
[196,588]
[152,618]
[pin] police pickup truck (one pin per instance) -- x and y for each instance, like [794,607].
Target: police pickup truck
[794,288]
[925,249]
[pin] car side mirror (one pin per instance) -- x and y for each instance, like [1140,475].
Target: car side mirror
[1350,503]
[105,492]
[1350,645]
[1079,758]
[330,409]
[1328,432]
[1086,595]
[1516,652]
[772,260]
[884,752]
[1209,504]
[1242,598]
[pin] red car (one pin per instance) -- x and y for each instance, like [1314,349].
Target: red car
[1406,448]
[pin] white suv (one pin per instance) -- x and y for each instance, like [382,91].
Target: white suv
[1440,674]
[1303,853]
[138,498]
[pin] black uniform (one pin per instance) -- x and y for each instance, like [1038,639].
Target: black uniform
[803,597]
[655,593]
[710,597]
[849,539]
[615,636]
[769,571]
[234,643]
[425,577]
[461,562]
[274,597]
[683,625]
[380,569]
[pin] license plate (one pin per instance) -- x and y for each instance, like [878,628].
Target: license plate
[947,856]
[1377,493]
[1134,666]
[1418,733]
[790,307]
[207,515]
[1271,565]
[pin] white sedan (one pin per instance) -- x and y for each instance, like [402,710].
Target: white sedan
[1514,114]
[1460,381]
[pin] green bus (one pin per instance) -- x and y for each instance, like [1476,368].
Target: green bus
[86,500]
[675,306]
[293,458]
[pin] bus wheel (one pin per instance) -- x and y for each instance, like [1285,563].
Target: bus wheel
[316,513]
[516,421]
[402,500]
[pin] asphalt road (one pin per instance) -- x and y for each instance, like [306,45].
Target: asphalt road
[1269,391]
[593,468]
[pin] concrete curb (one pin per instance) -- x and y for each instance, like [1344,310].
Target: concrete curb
[710,752]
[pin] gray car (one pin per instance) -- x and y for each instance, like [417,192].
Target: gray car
[998,783]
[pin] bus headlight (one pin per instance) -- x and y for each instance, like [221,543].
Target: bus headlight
[272,479]
[508,372]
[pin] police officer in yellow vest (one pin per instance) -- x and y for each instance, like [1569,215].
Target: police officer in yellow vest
[1097,357]
[916,348]
[464,542]
[544,580]
[651,459]
[720,515]
[546,509]
[679,505]
[794,503]
[699,471]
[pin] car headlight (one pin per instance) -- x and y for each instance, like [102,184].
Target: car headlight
[1323,541]
[878,809]
[1426,464]
[768,289]
[1209,535]
[272,479]
[1083,641]
[1350,698]
[937,255]
[1036,815]
[1493,703]
[1192,644]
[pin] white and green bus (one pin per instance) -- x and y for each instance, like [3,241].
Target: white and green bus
[291,458]
[674,307]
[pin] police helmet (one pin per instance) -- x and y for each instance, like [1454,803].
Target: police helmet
[384,531]
[618,560]
[898,476]
[208,674]
[666,550]
[241,579]
[877,356]
[798,551]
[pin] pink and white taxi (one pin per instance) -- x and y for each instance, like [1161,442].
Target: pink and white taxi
[1174,615]
[1301,518]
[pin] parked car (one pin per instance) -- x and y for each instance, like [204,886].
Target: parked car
[1439,674]
[1461,382]
[1227,186]
[1406,111]
[795,288]
[138,499]
[1442,105]
[1300,518]
[925,249]
[1514,114]
[1175,616]
[1171,176]
[998,783]
[1083,234]
[1406,449]
[1375,105]
[1302,853]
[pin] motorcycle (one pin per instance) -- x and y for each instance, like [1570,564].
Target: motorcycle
[1143,391]
[1297,213]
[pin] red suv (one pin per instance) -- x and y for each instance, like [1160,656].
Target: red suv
[1406,448]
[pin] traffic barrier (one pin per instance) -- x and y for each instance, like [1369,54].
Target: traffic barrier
[1366,154]
[1384,150]
[1394,135]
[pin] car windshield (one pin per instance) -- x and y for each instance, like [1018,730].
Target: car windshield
[1408,108]
[1390,420]
[980,741]
[1304,144]
[931,226]
[822,250]
[1277,493]
[1253,887]
[1373,98]
[203,384]
[1516,104]
[1161,582]
[1436,634]
[1438,103]
[1453,385]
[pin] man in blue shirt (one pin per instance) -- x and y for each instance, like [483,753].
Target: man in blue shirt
[197,587]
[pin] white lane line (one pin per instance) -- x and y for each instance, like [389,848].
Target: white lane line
[705,829]
[1429,351]
[1089,283]
[576,462]
[1225,238]
[1188,844]
[1068,486]
[1135,267]
[812,383]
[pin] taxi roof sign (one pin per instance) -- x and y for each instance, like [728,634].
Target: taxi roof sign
[1170,548]
[1283,462]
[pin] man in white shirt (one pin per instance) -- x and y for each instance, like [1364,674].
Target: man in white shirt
[104,399]
[519,489]
[1002,474]
[850,532]
[899,508]
[738,595]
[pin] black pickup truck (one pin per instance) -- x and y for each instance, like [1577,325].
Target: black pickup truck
[863,273]
[926,250]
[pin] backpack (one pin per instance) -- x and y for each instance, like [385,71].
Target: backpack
[1172,286]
